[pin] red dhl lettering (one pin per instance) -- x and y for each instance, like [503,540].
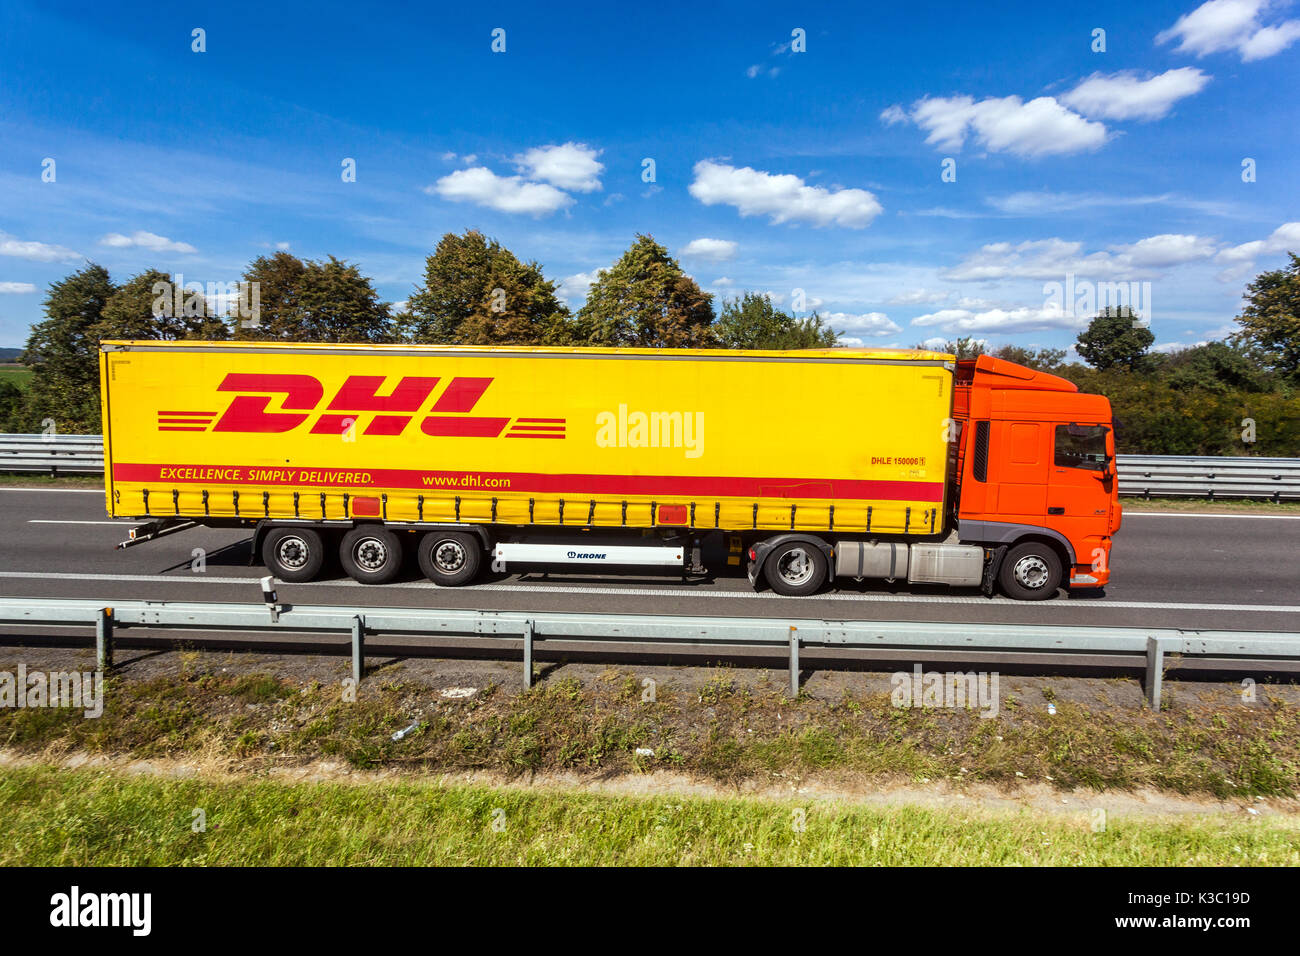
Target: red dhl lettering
[299,396]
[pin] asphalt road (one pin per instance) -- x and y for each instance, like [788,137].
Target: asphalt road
[1187,571]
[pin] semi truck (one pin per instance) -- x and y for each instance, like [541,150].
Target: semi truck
[803,467]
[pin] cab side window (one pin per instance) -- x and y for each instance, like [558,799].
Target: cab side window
[1081,446]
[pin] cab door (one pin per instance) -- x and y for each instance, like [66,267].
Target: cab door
[1082,483]
[1019,460]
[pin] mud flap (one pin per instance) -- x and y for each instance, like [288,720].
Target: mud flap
[991,568]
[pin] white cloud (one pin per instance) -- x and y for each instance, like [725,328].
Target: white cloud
[713,249]
[575,287]
[145,240]
[872,324]
[1284,238]
[1122,96]
[397,307]
[1053,258]
[1029,202]
[1040,127]
[1025,319]
[512,194]
[1222,25]
[893,115]
[783,197]
[282,246]
[778,298]
[16,288]
[35,251]
[919,297]
[570,166]
[1165,250]
[1240,259]
[722,282]
[1169,348]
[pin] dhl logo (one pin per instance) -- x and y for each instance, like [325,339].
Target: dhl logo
[249,411]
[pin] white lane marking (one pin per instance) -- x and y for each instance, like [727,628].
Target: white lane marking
[1196,514]
[116,524]
[665,592]
[62,491]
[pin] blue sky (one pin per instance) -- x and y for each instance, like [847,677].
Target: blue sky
[776,169]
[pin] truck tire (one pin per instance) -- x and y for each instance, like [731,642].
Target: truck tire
[371,554]
[293,554]
[450,558]
[795,568]
[1030,572]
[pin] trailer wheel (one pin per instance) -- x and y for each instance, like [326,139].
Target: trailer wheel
[450,558]
[1031,572]
[795,568]
[293,554]
[371,554]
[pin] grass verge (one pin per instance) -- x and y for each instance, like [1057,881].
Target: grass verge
[726,731]
[103,818]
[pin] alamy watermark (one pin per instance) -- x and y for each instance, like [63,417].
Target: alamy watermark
[639,429]
[1083,299]
[32,689]
[950,689]
[181,299]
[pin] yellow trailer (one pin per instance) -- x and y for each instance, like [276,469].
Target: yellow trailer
[501,442]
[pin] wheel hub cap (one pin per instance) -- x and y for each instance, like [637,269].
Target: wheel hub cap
[448,557]
[1031,572]
[796,567]
[292,553]
[371,554]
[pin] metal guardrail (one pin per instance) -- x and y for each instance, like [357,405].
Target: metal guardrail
[67,454]
[1173,476]
[956,641]
[1139,475]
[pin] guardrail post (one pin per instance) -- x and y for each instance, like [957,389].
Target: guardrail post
[1155,671]
[528,654]
[794,661]
[104,640]
[358,647]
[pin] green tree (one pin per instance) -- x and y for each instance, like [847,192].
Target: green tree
[477,292]
[146,308]
[1115,338]
[11,407]
[64,353]
[753,322]
[279,280]
[1271,319]
[1044,360]
[645,299]
[1214,366]
[325,301]
[965,347]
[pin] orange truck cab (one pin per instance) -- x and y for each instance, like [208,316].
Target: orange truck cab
[1035,464]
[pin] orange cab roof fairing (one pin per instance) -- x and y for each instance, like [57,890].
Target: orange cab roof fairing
[993,372]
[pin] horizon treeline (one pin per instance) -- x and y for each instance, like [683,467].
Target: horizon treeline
[1232,397]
